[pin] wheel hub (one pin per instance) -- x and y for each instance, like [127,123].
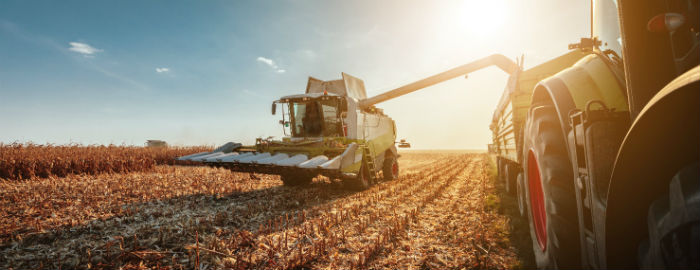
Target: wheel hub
[539,216]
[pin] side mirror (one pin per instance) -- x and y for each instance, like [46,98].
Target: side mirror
[274,108]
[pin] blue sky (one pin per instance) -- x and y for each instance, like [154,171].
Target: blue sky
[205,72]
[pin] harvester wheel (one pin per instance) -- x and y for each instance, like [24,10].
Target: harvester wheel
[548,179]
[391,168]
[296,179]
[674,224]
[520,196]
[359,183]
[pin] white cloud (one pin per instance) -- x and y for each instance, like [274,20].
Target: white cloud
[267,61]
[270,63]
[83,48]
[163,69]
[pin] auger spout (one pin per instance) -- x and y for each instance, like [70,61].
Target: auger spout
[498,60]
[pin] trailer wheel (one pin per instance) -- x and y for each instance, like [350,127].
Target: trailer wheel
[293,180]
[674,224]
[501,169]
[359,183]
[522,207]
[391,168]
[511,173]
[548,179]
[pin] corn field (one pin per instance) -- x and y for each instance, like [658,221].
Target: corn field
[439,214]
[27,161]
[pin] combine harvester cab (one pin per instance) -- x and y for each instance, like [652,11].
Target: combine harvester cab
[326,133]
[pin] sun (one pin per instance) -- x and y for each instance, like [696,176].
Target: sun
[483,17]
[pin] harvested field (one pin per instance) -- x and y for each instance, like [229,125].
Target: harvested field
[439,214]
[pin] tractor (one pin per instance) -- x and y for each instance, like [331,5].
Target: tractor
[601,145]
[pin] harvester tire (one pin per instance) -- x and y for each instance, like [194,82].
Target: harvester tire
[520,195]
[549,184]
[674,225]
[294,180]
[391,168]
[360,182]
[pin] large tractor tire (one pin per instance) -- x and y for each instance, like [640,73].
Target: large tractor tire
[360,182]
[294,180]
[549,184]
[390,169]
[674,225]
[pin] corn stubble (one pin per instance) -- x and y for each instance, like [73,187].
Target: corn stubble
[433,216]
[28,161]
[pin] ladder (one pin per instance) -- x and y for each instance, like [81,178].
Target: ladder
[368,159]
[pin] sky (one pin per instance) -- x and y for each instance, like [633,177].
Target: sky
[206,72]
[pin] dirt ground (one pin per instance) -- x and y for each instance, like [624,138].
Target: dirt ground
[445,211]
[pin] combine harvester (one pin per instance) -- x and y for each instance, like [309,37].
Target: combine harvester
[333,130]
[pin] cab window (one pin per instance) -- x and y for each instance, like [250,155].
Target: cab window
[331,119]
[316,118]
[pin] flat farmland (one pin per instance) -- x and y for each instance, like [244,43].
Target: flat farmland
[445,211]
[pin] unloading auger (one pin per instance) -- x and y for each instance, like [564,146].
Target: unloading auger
[333,129]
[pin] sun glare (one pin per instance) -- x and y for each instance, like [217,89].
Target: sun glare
[483,17]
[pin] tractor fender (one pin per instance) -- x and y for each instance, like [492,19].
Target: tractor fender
[590,78]
[664,138]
